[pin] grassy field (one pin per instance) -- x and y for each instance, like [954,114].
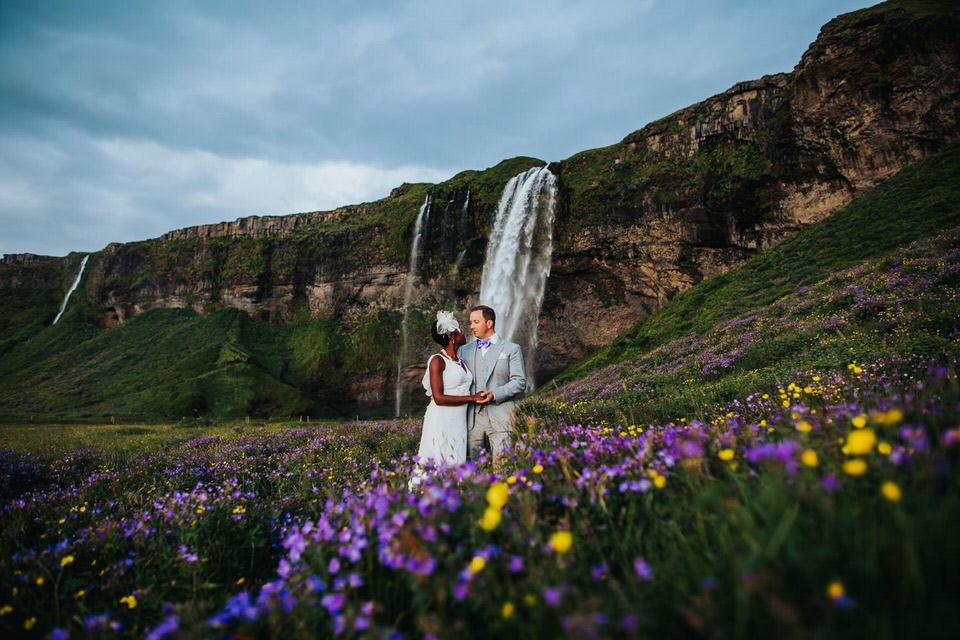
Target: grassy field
[125,440]
[774,454]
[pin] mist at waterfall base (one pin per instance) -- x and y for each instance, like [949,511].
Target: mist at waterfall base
[515,268]
[76,281]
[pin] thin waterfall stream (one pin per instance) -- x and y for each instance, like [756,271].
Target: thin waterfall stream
[76,281]
[408,288]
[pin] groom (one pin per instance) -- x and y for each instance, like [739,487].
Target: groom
[498,375]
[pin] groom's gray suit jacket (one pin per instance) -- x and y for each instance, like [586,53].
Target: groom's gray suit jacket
[500,370]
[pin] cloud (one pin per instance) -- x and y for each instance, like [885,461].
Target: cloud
[124,120]
[142,190]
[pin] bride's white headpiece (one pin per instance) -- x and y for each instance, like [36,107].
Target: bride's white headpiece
[446,323]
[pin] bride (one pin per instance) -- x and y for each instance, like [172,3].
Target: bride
[447,382]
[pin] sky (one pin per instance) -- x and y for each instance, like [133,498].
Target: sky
[120,121]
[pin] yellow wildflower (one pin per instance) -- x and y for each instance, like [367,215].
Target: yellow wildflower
[40,580]
[810,458]
[804,426]
[28,623]
[561,541]
[66,560]
[835,590]
[507,610]
[889,417]
[860,421]
[725,454]
[5,610]
[861,441]
[490,519]
[497,494]
[659,481]
[891,491]
[130,601]
[477,564]
[538,468]
[884,448]
[855,467]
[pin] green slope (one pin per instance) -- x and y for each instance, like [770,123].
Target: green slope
[163,363]
[918,202]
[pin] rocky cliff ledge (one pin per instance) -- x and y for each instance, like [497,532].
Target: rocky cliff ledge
[258,226]
[694,194]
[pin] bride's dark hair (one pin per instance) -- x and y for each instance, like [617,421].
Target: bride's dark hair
[442,339]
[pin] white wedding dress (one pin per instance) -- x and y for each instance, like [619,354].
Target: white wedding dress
[444,438]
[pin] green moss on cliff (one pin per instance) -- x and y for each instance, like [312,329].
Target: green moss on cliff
[486,186]
[32,300]
[620,183]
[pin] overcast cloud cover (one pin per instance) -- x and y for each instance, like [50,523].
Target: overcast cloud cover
[120,121]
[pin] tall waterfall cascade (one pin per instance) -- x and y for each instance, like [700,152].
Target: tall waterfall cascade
[518,258]
[76,281]
[408,289]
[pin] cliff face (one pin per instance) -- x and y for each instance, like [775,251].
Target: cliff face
[685,198]
[697,193]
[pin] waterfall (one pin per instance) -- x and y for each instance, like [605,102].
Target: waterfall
[409,284]
[76,281]
[462,222]
[518,258]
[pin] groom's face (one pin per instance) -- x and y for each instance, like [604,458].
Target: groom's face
[481,327]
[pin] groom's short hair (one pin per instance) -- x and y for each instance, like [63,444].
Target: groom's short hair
[488,313]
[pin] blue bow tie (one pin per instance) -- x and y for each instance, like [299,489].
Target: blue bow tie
[482,344]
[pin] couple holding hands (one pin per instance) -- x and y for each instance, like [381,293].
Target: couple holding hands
[473,388]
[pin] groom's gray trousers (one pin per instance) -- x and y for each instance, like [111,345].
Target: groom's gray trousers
[501,371]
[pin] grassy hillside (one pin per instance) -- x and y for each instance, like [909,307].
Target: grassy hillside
[919,202]
[163,363]
[29,304]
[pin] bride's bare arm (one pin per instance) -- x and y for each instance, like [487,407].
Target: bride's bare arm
[437,365]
